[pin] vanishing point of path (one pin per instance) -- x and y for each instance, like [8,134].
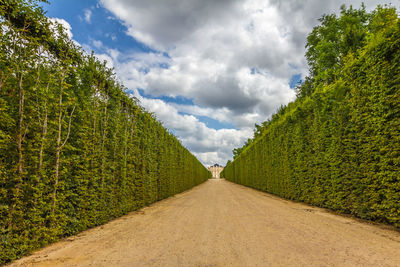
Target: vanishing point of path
[223,224]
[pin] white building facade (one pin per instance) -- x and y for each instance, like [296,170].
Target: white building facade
[216,171]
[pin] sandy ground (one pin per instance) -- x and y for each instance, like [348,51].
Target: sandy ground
[223,224]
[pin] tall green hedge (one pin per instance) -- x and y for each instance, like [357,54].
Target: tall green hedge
[338,147]
[75,150]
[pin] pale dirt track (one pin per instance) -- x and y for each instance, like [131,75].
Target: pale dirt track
[223,224]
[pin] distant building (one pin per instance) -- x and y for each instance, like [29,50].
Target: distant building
[215,170]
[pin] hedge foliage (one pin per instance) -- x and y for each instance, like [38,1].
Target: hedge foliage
[75,150]
[338,145]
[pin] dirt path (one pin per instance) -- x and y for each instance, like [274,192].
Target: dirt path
[223,224]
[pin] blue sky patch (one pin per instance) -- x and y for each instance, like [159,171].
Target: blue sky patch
[103,25]
[169,99]
[254,71]
[212,123]
[294,80]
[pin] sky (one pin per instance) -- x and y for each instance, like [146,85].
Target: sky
[209,70]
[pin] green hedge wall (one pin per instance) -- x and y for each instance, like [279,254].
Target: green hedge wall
[340,147]
[75,150]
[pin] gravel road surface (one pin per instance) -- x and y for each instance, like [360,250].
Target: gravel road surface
[219,223]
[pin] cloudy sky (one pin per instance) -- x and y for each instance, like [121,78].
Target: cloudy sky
[208,69]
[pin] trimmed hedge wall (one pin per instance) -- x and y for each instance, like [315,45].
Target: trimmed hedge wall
[75,150]
[340,147]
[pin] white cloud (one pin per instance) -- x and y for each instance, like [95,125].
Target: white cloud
[67,27]
[195,135]
[88,15]
[213,46]
[98,44]
[107,59]
[233,58]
